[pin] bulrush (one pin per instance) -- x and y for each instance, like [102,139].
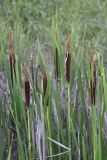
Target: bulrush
[68,59]
[56,63]
[44,81]
[12,60]
[93,78]
[26,85]
[56,59]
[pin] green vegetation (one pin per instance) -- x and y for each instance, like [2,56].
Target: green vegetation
[57,83]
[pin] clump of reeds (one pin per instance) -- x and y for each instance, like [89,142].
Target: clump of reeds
[26,85]
[12,59]
[68,58]
[93,76]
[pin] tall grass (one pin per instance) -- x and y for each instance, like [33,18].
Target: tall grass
[57,105]
[57,115]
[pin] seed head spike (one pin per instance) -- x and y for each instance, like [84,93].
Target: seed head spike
[93,78]
[68,58]
[44,80]
[26,85]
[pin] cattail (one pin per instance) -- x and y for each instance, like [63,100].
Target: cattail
[44,81]
[93,78]
[26,85]
[68,66]
[56,58]
[68,59]
[56,63]
[12,60]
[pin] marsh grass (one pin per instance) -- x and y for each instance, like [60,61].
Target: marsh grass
[65,117]
[53,125]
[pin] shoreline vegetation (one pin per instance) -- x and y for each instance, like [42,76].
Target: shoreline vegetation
[53,80]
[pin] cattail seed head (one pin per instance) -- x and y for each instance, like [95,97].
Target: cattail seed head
[12,59]
[68,59]
[56,63]
[56,58]
[12,62]
[93,78]
[68,66]
[26,85]
[44,81]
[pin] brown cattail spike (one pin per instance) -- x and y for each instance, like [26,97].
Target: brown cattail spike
[12,57]
[26,85]
[93,78]
[68,58]
[44,81]
[56,57]
[68,66]
[56,63]
[12,66]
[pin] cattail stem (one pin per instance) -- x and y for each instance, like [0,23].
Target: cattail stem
[69,123]
[32,70]
[49,129]
[29,133]
[58,123]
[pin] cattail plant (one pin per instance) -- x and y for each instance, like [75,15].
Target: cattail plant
[26,85]
[12,60]
[68,71]
[93,77]
[68,59]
